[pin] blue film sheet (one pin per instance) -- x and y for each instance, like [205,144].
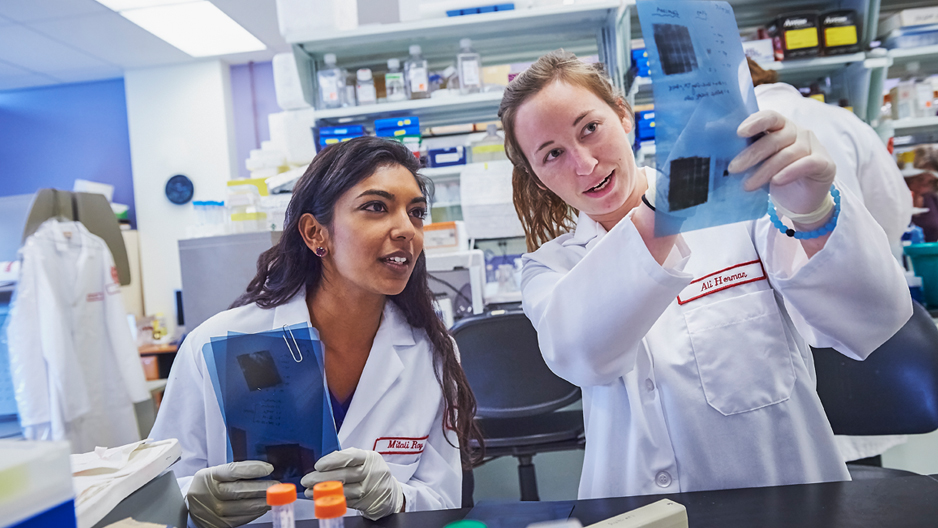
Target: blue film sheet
[273,397]
[703,91]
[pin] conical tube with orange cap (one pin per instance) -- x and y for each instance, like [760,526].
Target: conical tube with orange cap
[281,497]
[330,510]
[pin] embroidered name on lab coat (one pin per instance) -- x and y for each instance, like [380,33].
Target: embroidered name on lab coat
[400,445]
[720,280]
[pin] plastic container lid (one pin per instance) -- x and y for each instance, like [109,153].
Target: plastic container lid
[415,49]
[916,250]
[465,43]
[328,488]
[280,494]
[363,74]
[466,523]
[330,507]
[394,64]
[329,58]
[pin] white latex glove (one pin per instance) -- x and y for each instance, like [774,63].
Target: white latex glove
[369,485]
[224,496]
[794,164]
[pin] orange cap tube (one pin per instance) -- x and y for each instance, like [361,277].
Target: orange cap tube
[280,494]
[330,507]
[329,487]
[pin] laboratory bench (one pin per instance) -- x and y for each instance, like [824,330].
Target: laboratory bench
[908,502]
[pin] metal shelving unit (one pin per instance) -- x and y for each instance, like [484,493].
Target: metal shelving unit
[598,28]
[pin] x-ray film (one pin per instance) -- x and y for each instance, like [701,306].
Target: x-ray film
[273,397]
[703,91]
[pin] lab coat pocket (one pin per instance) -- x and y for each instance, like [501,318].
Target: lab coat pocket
[402,472]
[743,359]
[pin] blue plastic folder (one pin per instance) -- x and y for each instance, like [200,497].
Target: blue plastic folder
[273,397]
[703,91]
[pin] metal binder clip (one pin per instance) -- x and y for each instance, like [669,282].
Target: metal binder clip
[298,352]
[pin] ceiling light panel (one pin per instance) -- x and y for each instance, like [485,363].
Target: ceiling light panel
[123,5]
[198,28]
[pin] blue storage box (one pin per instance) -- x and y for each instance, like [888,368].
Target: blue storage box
[645,125]
[412,130]
[326,141]
[445,157]
[396,122]
[351,130]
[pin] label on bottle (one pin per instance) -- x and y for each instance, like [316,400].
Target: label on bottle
[394,86]
[418,80]
[469,76]
[367,94]
[329,89]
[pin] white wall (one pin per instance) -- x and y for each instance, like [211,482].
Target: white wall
[181,122]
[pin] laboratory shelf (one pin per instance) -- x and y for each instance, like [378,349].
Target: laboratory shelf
[432,112]
[910,54]
[533,29]
[817,64]
[907,126]
[435,173]
[598,28]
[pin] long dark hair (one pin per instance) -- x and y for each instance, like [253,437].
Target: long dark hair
[288,267]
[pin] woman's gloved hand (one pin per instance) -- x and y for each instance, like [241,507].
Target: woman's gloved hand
[369,485]
[794,164]
[225,496]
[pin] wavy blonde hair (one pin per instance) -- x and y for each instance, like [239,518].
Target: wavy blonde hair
[543,214]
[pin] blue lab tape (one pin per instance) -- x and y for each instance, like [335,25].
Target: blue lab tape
[505,7]
[702,91]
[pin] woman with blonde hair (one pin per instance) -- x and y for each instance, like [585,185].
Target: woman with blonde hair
[691,349]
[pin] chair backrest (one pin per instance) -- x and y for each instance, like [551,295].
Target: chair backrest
[504,366]
[895,391]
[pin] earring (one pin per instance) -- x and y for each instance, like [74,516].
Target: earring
[320,252]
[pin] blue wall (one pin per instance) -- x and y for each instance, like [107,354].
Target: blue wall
[51,136]
[254,97]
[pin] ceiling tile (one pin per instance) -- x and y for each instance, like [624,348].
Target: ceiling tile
[13,82]
[26,48]
[112,38]
[87,74]
[259,17]
[9,70]
[32,10]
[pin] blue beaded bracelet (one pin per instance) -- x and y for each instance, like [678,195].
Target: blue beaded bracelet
[805,235]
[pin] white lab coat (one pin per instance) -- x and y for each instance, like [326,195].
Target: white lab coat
[75,367]
[718,392]
[398,397]
[866,168]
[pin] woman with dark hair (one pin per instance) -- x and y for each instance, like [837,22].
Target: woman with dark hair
[353,241]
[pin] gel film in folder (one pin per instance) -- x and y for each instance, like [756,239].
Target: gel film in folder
[273,398]
[702,91]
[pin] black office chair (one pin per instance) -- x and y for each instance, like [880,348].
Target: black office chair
[517,394]
[895,391]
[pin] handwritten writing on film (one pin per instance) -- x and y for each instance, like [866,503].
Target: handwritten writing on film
[696,91]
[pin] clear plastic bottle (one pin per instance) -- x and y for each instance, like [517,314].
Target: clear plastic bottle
[365,88]
[394,81]
[330,511]
[280,498]
[349,96]
[470,68]
[489,148]
[331,83]
[417,74]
